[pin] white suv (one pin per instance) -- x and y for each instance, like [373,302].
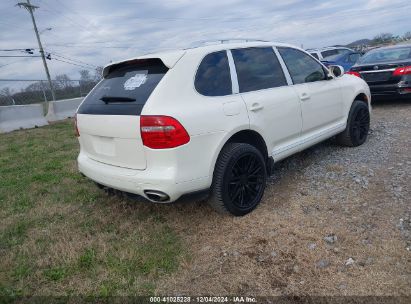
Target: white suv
[214,118]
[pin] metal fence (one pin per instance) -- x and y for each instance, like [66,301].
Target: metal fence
[20,92]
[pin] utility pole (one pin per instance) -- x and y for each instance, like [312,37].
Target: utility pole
[30,8]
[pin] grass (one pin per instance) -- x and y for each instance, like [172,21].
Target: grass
[60,235]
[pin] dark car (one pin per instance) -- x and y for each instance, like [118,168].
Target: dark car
[346,60]
[387,71]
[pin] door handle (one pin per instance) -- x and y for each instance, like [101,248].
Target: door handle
[305,96]
[256,107]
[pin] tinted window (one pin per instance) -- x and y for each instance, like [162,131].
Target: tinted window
[213,75]
[343,51]
[302,67]
[126,88]
[257,69]
[391,54]
[329,53]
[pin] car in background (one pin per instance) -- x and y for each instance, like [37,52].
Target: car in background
[387,71]
[346,60]
[325,53]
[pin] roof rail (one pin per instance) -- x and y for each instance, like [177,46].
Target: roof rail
[222,41]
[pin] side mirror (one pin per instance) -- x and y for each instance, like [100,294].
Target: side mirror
[336,70]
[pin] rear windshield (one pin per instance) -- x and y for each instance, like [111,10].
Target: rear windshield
[386,55]
[126,88]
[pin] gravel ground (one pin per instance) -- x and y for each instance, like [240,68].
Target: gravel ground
[333,221]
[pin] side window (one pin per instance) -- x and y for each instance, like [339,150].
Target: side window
[213,75]
[302,67]
[257,69]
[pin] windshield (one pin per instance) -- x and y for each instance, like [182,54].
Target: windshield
[386,55]
[335,57]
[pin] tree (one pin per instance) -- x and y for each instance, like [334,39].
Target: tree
[98,74]
[407,36]
[63,82]
[383,38]
[34,87]
[6,96]
[85,76]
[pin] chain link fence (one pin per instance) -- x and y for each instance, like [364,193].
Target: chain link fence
[21,92]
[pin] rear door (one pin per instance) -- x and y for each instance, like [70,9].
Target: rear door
[273,106]
[321,99]
[109,118]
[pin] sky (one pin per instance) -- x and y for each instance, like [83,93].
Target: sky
[89,33]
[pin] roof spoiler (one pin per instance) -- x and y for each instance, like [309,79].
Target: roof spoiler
[169,59]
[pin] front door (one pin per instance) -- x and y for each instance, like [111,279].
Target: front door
[273,106]
[320,96]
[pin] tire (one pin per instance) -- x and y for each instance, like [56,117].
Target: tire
[239,179]
[358,125]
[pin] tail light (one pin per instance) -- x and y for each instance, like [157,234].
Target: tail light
[162,132]
[75,126]
[354,73]
[406,70]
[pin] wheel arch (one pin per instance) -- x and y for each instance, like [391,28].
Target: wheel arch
[247,136]
[362,97]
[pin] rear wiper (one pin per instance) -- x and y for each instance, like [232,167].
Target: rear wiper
[108,99]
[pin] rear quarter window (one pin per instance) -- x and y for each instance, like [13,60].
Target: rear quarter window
[126,88]
[213,75]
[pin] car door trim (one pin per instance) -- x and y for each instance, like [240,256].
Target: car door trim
[376,71]
[233,73]
[331,131]
[283,66]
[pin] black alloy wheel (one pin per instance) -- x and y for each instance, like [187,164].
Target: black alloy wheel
[239,179]
[358,125]
[246,181]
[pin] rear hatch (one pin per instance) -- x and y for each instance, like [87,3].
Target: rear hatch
[108,120]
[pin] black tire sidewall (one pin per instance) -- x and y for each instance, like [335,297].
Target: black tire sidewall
[356,107]
[240,151]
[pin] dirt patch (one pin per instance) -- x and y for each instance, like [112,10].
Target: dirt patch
[360,195]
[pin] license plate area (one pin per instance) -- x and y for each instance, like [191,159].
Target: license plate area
[104,145]
[376,77]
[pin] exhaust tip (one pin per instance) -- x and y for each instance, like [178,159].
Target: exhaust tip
[156,196]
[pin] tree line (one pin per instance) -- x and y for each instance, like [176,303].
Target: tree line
[64,87]
[389,37]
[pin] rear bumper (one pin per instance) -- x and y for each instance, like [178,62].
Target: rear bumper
[136,181]
[390,91]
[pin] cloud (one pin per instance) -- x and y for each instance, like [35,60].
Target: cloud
[99,31]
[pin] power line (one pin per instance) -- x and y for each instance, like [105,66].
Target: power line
[19,56]
[74,60]
[83,66]
[13,62]
[13,50]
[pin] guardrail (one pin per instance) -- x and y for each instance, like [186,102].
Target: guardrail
[31,116]
[62,109]
[21,117]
